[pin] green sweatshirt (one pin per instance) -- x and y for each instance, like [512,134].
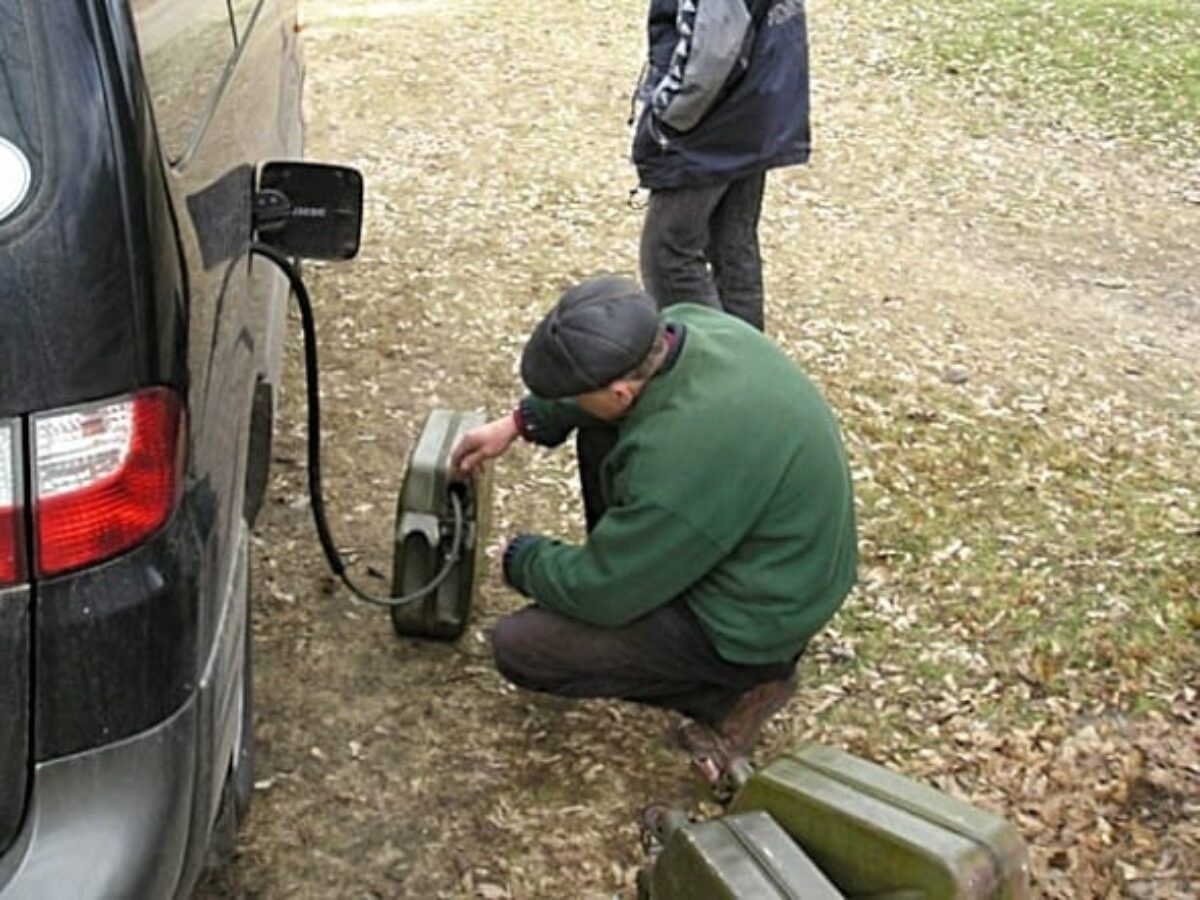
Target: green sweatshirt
[728,486]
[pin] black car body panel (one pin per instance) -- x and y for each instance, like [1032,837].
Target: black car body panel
[14,709]
[118,640]
[126,267]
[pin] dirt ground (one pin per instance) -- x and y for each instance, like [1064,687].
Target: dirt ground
[1028,261]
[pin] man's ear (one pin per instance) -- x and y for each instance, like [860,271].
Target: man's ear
[625,391]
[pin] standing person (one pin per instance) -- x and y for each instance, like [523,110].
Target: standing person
[725,98]
[727,537]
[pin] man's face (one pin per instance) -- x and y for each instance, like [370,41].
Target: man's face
[609,403]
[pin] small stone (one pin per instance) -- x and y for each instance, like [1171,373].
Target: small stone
[956,374]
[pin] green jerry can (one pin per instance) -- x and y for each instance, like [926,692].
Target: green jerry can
[741,857]
[880,835]
[433,507]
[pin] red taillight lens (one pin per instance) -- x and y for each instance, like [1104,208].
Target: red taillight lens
[11,555]
[106,477]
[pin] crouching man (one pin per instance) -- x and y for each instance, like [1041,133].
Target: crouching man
[726,535]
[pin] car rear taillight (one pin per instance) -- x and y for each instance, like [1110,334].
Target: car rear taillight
[106,477]
[11,553]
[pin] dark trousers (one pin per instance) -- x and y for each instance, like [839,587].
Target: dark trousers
[591,446]
[700,245]
[662,659]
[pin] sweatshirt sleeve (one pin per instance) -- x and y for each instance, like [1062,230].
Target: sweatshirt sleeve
[639,557]
[711,37]
[550,422]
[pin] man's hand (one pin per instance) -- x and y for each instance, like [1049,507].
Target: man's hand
[483,443]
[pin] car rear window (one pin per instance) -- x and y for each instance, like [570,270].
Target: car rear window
[20,131]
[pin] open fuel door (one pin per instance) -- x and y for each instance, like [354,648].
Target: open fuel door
[309,210]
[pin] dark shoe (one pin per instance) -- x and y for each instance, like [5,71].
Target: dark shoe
[741,726]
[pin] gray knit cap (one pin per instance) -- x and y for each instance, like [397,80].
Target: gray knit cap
[598,331]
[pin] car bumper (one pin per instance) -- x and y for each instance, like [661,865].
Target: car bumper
[110,822]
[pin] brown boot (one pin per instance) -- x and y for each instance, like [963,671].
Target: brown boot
[705,749]
[741,726]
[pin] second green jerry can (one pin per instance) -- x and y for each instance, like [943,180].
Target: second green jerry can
[878,834]
[741,857]
[433,506]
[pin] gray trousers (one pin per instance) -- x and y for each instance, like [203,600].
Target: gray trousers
[700,245]
[662,659]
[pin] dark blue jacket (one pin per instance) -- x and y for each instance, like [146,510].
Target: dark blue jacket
[726,91]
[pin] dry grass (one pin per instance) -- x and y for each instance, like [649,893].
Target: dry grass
[1025,632]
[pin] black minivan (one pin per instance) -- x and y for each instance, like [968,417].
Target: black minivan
[139,352]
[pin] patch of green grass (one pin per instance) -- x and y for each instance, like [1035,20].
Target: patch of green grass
[1132,66]
[1037,543]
